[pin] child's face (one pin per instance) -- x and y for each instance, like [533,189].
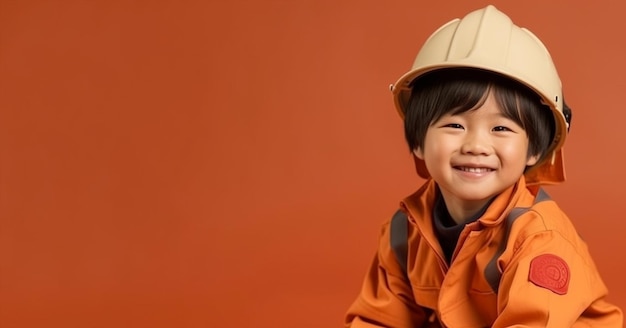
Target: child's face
[475,155]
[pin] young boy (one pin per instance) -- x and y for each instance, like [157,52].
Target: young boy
[480,244]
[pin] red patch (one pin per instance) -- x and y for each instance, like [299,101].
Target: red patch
[551,272]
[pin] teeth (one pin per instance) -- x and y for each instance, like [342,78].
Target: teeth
[475,169]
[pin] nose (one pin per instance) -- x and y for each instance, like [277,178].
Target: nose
[476,143]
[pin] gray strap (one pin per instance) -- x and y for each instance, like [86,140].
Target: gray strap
[399,238]
[492,273]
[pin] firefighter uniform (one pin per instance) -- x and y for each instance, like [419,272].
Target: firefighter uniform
[521,264]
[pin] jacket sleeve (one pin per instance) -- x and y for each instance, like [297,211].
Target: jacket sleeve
[386,298]
[549,280]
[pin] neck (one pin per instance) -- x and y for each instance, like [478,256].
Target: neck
[460,210]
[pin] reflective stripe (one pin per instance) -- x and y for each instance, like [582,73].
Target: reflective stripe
[492,273]
[399,236]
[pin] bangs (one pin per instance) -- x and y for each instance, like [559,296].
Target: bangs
[458,90]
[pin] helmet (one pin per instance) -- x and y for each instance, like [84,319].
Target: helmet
[487,39]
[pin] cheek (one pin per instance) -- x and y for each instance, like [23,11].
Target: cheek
[516,151]
[441,143]
[439,149]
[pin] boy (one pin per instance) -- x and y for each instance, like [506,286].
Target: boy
[480,244]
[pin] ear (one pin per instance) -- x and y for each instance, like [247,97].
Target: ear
[418,153]
[532,160]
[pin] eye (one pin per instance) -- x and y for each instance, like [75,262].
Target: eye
[501,129]
[454,126]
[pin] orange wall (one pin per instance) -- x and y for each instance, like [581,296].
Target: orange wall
[229,163]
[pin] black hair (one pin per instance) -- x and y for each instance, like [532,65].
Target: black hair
[457,90]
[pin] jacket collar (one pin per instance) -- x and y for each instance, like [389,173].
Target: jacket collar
[420,204]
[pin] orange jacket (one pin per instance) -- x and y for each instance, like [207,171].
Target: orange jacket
[522,264]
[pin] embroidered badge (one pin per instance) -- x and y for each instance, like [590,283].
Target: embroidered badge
[551,272]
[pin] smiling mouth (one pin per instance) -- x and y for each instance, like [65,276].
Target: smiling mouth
[474,169]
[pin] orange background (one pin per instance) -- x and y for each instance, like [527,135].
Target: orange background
[229,163]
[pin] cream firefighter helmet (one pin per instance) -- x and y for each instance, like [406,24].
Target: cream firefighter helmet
[487,39]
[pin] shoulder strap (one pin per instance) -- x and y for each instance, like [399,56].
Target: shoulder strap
[399,238]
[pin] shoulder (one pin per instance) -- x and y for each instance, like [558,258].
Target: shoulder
[544,236]
[543,216]
[545,225]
